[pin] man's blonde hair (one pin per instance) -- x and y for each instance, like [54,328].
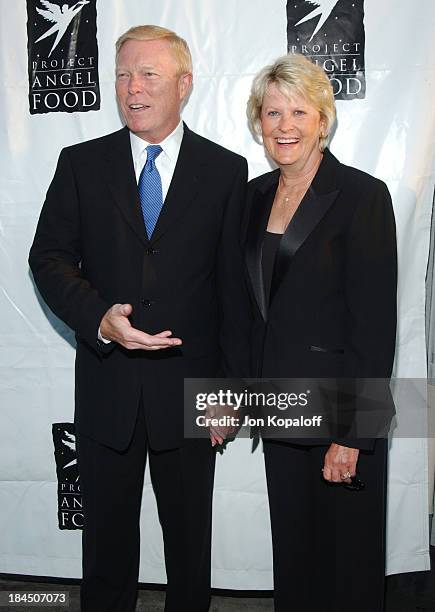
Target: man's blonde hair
[178,45]
[294,74]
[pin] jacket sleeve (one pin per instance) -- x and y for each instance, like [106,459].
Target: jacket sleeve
[55,258]
[371,296]
[235,307]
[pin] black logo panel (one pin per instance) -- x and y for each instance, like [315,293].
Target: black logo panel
[62,56]
[70,505]
[331,33]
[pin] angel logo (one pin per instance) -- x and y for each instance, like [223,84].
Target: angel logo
[70,442]
[331,33]
[61,17]
[63,56]
[324,9]
[70,505]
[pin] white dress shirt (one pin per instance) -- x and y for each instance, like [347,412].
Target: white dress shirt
[165,164]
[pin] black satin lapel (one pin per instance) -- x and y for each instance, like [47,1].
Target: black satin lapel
[183,188]
[121,180]
[309,213]
[260,211]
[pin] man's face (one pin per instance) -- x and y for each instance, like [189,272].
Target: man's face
[149,89]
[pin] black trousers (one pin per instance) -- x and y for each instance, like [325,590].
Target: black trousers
[112,484]
[328,542]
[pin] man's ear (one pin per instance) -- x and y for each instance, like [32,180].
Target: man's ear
[184,84]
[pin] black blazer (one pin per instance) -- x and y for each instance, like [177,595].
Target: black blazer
[332,309]
[91,251]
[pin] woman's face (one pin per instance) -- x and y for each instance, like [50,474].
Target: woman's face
[291,129]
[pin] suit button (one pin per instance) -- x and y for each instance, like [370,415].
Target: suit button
[145,302]
[152,251]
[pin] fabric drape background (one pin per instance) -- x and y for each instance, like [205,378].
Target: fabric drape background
[389,133]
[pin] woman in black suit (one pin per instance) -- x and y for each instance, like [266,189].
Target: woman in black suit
[321,262]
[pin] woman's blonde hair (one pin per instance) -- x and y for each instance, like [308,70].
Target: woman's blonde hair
[178,45]
[294,74]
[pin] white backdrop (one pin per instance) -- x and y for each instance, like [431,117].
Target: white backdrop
[391,134]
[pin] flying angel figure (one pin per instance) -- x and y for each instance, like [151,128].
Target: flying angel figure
[71,444]
[324,9]
[61,17]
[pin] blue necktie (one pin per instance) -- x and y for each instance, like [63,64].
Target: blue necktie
[150,189]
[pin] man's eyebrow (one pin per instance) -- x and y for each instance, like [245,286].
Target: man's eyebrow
[148,67]
[140,67]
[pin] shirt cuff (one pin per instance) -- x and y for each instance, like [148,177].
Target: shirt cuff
[101,339]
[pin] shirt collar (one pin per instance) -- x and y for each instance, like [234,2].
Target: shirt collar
[170,145]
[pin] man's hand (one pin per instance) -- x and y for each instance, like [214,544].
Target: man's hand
[116,327]
[340,463]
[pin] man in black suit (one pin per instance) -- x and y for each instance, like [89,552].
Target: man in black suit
[137,251]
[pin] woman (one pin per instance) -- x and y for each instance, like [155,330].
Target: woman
[321,262]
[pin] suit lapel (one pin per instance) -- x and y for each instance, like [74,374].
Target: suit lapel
[310,212]
[262,201]
[184,184]
[183,189]
[320,196]
[121,180]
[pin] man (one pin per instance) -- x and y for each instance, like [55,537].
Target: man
[137,251]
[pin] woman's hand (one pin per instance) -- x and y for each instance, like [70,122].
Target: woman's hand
[340,463]
[219,433]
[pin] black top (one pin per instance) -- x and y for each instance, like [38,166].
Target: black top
[270,248]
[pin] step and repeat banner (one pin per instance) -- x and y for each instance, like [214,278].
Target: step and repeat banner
[56,89]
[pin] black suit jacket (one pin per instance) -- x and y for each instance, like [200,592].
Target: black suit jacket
[332,309]
[91,251]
